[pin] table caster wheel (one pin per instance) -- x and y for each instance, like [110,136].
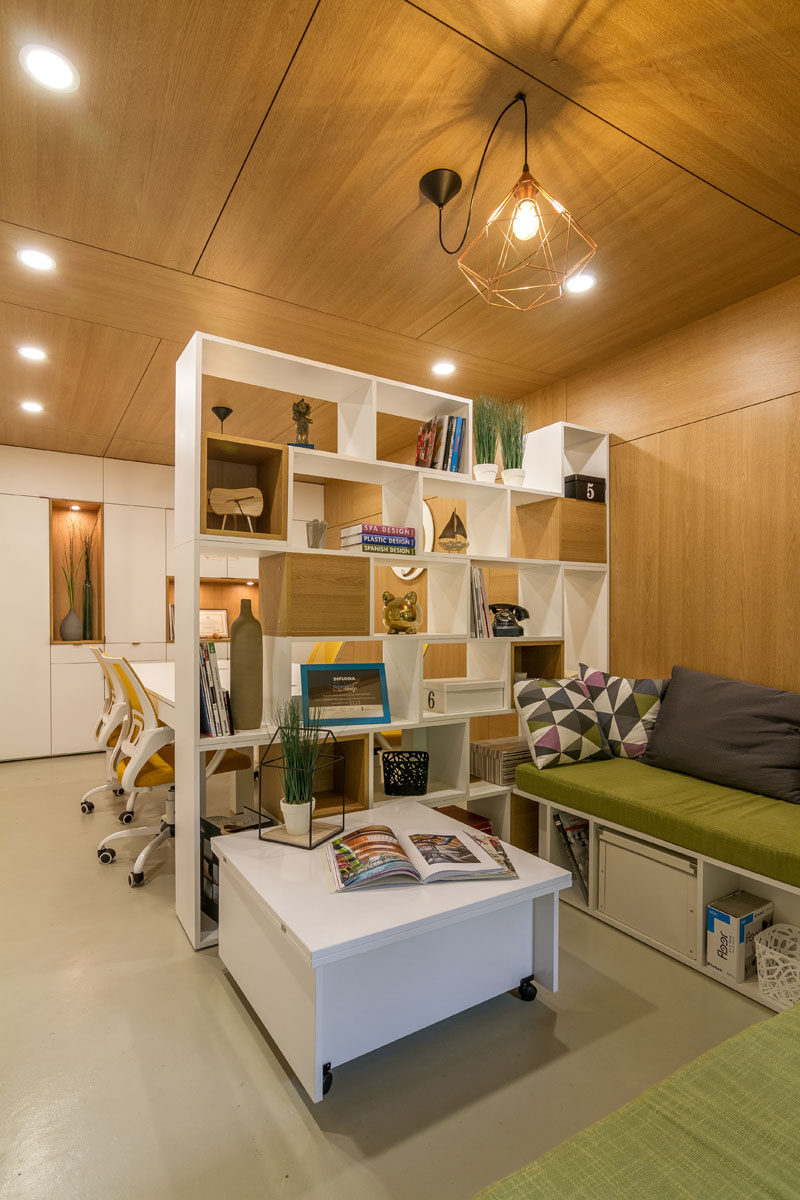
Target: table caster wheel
[107,854]
[87,806]
[136,879]
[327,1079]
[126,817]
[527,989]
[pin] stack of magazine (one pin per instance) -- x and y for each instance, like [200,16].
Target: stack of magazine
[215,703]
[496,759]
[377,855]
[480,623]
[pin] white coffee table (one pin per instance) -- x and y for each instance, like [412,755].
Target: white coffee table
[333,976]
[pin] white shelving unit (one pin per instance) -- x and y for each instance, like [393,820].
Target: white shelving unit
[566,600]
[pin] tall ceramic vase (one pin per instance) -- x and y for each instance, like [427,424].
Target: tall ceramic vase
[247,671]
[71,628]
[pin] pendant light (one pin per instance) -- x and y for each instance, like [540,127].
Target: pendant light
[529,247]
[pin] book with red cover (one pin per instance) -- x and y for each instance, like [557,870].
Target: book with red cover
[426,438]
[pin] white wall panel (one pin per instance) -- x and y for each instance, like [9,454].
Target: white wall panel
[138,651]
[147,484]
[77,700]
[45,473]
[135,571]
[25,622]
[169,519]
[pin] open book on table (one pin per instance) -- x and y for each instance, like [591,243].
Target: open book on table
[375,854]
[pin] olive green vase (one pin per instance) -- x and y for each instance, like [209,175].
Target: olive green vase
[247,670]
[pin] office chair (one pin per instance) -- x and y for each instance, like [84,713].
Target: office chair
[109,733]
[147,762]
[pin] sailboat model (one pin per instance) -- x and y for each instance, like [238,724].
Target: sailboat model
[453,537]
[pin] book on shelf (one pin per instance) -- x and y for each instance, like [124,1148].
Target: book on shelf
[496,759]
[426,440]
[455,453]
[377,539]
[378,548]
[480,624]
[215,712]
[377,855]
[383,530]
[574,834]
[171,612]
[438,443]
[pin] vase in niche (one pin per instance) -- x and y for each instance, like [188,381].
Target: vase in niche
[71,629]
[247,670]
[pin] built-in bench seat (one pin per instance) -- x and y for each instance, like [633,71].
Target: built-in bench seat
[756,833]
[725,1125]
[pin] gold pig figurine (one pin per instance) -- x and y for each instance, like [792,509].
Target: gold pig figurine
[401,614]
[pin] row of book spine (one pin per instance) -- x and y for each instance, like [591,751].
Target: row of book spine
[439,443]
[379,539]
[480,624]
[216,718]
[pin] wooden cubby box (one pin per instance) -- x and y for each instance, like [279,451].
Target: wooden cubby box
[349,775]
[536,659]
[219,593]
[307,595]
[233,462]
[570,530]
[63,517]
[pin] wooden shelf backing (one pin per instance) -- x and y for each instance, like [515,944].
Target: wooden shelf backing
[231,462]
[351,774]
[537,660]
[62,520]
[300,598]
[219,593]
[570,530]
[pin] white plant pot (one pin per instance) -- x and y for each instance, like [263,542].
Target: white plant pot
[297,817]
[485,472]
[514,477]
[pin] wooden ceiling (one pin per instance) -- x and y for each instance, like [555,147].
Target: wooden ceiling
[250,169]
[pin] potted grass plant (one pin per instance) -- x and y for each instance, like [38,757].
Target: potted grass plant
[299,753]
[484,438]
[511,425]
[71,628]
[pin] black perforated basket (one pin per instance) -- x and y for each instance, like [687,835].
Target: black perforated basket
[405,772]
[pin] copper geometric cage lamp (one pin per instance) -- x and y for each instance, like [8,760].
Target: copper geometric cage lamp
[529,247]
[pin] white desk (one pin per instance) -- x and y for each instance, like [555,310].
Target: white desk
[335,976]
[159,680]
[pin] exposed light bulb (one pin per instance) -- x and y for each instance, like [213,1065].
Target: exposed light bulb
[37,260]
[34,353]
[526,221]
[49,68]
[580,283]
[32,406]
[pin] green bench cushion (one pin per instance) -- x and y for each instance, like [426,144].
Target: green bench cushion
[741,828]
[723,1126]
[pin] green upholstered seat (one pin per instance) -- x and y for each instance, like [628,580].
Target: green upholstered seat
[741,828]
[724,1126]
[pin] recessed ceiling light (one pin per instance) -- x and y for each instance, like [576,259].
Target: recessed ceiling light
[581,283]
[249,582]
[32,406]
[34,353]
[74,508]
[49,68]
[443,368]
[37,260]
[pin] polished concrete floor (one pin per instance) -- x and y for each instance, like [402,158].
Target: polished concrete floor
[130,1067]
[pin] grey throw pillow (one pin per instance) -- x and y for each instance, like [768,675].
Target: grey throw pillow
[737,734]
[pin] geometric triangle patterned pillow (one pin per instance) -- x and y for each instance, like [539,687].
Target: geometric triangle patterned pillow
[626,708]
[561,722]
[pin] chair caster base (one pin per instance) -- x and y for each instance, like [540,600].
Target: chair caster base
[135,879]
[87,806]
[118,791]
[107,854]
[126,817]
[527,989]
[327,1079]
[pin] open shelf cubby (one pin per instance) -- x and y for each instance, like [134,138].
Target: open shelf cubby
[219,593]
[348,775]
[240,463]
[71,522]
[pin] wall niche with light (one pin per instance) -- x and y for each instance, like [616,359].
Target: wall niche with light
[76,572]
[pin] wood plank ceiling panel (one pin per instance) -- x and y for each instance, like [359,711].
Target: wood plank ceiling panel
[326,212]
[85,384]
[671,251]
[713,86]
[140,159]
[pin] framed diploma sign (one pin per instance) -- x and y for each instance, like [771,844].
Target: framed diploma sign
[345,694]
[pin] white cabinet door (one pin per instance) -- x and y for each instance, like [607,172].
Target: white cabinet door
[135,573]
[77,700]
[25,624]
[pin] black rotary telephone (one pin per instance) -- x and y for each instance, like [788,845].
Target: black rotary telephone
[507,618]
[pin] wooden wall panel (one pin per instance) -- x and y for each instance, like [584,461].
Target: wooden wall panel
[705,547]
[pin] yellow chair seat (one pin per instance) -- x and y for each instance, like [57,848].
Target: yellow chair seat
[159,770]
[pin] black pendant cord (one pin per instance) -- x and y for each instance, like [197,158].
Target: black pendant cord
[520,96]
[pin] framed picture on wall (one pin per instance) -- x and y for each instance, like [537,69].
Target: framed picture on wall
[345,694]
[213,623]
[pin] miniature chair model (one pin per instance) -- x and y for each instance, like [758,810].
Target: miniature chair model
[147,762]
[109,733]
